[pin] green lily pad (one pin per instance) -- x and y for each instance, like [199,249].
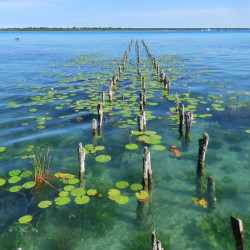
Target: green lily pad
[2,181]
[69,188]
[2,149]
[137,133]
[122,199]
[62,201]
[29,184]
[113,193]
[15,189]
[15,172]
[131,146]
[142,195]
[99,148]
[136,187]
[40,127]
[26,174]
[25,219]
[150,133]
[78,192]
[103,158]
[89,146]
[82,200]
[32,110]
[44,204]
[158,147]
[248,131]
[64,193]
[122,184]
[73,181]
[14,179]
[91,192]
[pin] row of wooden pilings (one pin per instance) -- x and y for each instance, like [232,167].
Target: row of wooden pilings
[147,178]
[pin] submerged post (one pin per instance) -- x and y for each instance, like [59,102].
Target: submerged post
[176,103]
[166,83]
[100,114]
[203,143]
[103,99]
[140,123]
[237,227]
[81,156]
[94,127]
[110,94]
[154,244]
[147,181]
[189,119]
[211,191]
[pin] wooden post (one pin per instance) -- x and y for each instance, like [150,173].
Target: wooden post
[166,83]
[140,123]
[144,120]
[81,156]
[120,69]
[162,76]
[94,127]
[110,95]
[201,186]
[143,84]
[100,114]
[103,99]
[176,104]
[159,245]
[111,83]
[158,70]
[211,191]
[147,181]
[181,115]
[238,232]
[154,244]
[203,143]
[189,119]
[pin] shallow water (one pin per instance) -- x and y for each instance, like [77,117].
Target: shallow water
[50,85]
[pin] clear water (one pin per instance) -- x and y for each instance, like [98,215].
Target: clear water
[50,84]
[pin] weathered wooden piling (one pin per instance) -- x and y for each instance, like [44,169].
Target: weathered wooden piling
[203,143]
[143,84]
[154,244]
[100,114]
[189,119]
[144,120]
[211,191]
[120,69]
[181,115]
[94,127]
[158,70]
[176,103]
[111,85]
[81,156]
[201,186]
[166,83]
[162,76]
[237,227]
[140,123]
[147,180]
[110,94]
[103,99]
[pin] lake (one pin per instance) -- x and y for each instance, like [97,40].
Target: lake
[50,86]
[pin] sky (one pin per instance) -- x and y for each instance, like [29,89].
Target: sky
[129,13]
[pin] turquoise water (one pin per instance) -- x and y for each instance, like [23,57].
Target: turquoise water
[50,85]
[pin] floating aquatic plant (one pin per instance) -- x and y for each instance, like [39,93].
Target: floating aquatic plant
[91,192]
[142,196]
[103,158]
[122,184]
[82,199]
[121,199]
[44,204]
[2,149]
[15,189]
[2,181]
[131,146]
[62,201]
[25,219]
[136,187]
[113,193]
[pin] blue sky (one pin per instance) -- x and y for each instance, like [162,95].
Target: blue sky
[115,13]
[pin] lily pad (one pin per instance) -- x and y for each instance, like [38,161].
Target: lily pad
[113,193]
[25,219]
[29,184]
[15,189]
[142,195]
[26,174]
[14,179]
[122,199]
[99,148]
[69,188]
[137,133]
[158,147]
[62,201]
[78,192]
[73,181]
[44,204]
[82,200]
[2,149]
[2,181]
[122,184]
[32,110]
[103,158]
[150,133]
[131,146]
[91,192]
[248,131]
[64,193]
[15,172]
[136,187]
